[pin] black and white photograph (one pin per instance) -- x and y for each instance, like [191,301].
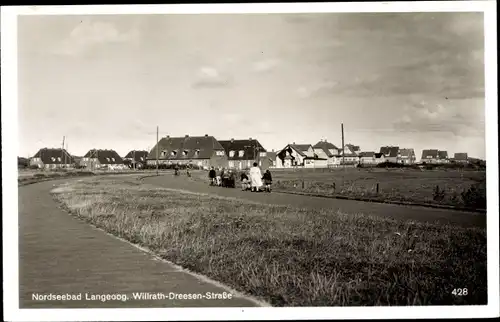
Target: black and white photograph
[244,158]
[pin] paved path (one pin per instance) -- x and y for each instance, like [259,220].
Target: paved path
[60,254]
[466,219]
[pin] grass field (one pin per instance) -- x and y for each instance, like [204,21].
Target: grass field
[456,188]
[288,256]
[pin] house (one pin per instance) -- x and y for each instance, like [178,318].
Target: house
[326,150]
[102,159]
[350,155]
[241,154]
[22,163]
[407,156]
[391,153]
[52,158]
[367,158]
[461,158]
[203,151]
[434,156]
[379,158]
[299,155]
[136,159]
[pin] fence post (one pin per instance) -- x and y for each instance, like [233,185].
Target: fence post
[334,188]
[303,184]
[377,188]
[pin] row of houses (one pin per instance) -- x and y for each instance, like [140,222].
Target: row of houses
[206,151]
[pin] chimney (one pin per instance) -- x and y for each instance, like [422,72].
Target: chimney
[232,140]
[293,143]
[168,136]
[250,139]
[206,135]
[186,136]
[272,150]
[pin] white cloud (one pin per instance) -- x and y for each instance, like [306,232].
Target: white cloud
[211,77]
[315,89]
[265,65]
[88,34]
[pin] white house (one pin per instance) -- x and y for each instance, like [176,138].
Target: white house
[326,150]
[299,155]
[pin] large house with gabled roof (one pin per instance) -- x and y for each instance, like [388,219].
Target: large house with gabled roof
[96,159]
[136,159]
[203,151]
[299,155]
[241,154]
[434,156]
[327,150]
[48,158]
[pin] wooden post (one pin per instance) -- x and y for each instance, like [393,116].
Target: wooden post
[377,188]
[334,188]
[303,184]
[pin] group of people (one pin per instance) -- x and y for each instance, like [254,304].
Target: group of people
[253,181]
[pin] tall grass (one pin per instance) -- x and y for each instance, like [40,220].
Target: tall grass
[289,256]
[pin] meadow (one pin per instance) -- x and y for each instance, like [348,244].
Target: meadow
[289,256]
[462,189]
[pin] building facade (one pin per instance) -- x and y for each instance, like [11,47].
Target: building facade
[202,151]
[47,158]
[96,159]
[241,154]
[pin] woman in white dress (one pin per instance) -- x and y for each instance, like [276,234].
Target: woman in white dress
[255,177]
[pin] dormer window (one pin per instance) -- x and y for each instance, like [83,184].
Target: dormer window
[173,153]
[53,159]
[185,152]
[113,159]
[59,159]
[263,154]
[163,153]
[241,153]
[231,154]
[197,152]
[107,159]
[142,158]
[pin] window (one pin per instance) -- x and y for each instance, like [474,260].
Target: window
[185,152]
[231,164]
[231,154]
[220,153]
[173,153]
[59,159]
[142,158]
[163,153]
[53,159]
[107,159]
[197,152]
[262,154]
[241,153]
[113,159]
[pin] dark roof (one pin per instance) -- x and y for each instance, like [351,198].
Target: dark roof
[430,153]
[390,151]
[367,154]
[54,156]
[242,145]
[443,154]
[325,146]
[461,156]
[197,147]
[105,156]
[137,155]
[407,152]
[314,158]
[378,155]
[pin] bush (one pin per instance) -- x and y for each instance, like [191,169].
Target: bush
[475,196]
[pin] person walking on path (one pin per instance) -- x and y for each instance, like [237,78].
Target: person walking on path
[212,175]
[268,180]
[255,177]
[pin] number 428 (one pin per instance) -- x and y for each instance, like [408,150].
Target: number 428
[460,292]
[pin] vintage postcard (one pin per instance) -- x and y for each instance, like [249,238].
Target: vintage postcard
[252,161]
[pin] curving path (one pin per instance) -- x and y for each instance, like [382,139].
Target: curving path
[442,216]
[60,254]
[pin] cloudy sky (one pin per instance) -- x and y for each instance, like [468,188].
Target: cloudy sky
[410,79]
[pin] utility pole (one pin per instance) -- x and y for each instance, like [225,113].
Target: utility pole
[62,152]
[157,148]
[133,158]
[343,147]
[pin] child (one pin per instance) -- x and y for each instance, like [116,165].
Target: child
[245,183]
[268,180]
